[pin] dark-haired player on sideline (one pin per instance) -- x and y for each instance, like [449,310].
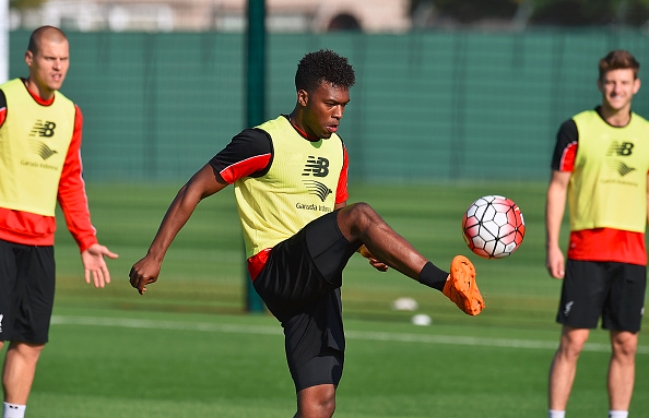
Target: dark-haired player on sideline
[600,162]
[40,140]
[290,180]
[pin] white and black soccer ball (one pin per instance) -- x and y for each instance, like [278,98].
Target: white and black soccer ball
[493,227]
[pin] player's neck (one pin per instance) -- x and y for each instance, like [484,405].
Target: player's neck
[44,95]
[296,122]
[616,117]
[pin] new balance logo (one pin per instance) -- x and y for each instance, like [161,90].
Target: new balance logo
[1,316]
[623,149]
[317,167]
[621,168]
[45,129]
[42,149]
[317,188]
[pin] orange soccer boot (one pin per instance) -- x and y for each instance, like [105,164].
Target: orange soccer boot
[461,287]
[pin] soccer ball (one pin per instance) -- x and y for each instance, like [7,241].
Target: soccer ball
[493,227]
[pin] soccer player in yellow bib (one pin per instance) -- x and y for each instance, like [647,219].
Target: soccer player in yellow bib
[40,140]
[600,164]
[290,182]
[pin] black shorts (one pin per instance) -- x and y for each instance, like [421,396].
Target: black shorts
[26,292]
[300,285]
[614,291]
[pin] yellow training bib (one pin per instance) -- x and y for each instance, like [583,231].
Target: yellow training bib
[608,186]
[299,187]
[34,142]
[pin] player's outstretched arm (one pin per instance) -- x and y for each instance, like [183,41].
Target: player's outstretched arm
[554,210]
[94,264]
[204,183]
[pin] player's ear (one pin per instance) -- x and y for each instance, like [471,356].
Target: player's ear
[29,58]
[302,97]
[636,85]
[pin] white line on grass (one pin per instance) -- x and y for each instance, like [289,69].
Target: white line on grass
[356,335]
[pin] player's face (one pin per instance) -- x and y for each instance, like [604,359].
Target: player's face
[323,109]
[48,66]
[617,88]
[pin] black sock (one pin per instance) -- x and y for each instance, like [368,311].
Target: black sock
[432,276]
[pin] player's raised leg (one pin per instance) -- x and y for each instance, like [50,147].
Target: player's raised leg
[360,224]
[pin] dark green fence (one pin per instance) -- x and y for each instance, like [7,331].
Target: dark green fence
[427,106]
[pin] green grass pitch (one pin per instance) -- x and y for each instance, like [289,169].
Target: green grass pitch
[187,349]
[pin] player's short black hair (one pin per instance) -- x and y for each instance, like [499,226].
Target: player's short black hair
[323,66]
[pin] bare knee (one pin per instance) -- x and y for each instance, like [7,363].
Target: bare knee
[572,343]
[316,402]
[624,345]
[28,351]
[356,218]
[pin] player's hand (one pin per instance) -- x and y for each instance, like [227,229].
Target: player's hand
[374,262]
[94,264]
[143,273]
[555,263]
